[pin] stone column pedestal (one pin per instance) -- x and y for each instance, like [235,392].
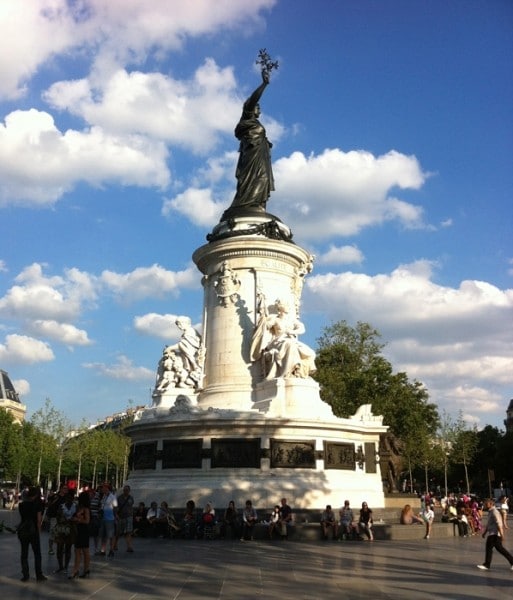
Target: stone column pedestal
[236,271]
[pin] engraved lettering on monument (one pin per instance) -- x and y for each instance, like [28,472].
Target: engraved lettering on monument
[292,454]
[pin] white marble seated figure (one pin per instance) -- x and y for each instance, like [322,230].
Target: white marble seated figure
[180,365]
[276,345]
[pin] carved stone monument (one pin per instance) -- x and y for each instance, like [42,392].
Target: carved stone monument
[236,413]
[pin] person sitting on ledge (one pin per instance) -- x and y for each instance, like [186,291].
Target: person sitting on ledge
[328,521]
[249,520]
[274,520]
[141,524]
[285,518]
[408,517]
[189,520]
[207,525]
[365,522]
[348,528]
[230,521]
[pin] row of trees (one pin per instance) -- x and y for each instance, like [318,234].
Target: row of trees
[48,449]
[422,445]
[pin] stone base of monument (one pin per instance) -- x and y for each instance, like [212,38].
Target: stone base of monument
[291,398]
[214,455]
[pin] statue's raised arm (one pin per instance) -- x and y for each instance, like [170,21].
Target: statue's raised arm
[254,173]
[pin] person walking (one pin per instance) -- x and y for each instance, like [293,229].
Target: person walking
[31,513]
[495,530]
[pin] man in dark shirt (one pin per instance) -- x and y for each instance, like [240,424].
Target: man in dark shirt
[285,518]
[31,513]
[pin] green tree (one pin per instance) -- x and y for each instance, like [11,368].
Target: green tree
[445,438]
[52,427]
[351,371]
[9,440]
[486,460]
[503,463]
[23,459]
[465,446]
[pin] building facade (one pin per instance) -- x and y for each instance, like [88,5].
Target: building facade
[9,399]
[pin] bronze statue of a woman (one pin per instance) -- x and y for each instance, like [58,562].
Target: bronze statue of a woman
[254,172]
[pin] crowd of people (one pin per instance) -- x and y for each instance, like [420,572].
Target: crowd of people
[73,521]
[96,520]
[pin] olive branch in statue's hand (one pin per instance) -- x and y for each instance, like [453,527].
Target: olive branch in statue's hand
[266,63]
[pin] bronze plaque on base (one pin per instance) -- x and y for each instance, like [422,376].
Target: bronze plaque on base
[235,453]
[145,456]
[339,456]
[182,454]
[292,454]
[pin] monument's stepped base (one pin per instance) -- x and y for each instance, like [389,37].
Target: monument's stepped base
[220,456]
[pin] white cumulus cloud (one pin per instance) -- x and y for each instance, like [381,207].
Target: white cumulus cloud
[111,33]
[148,282]
[160,326]
[341,193]
[24,350]
[58,298]
[123,368]
[340,255]
[65,333]
[54,162]
[197,205]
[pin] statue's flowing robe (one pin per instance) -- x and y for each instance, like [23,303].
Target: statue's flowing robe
[254,172]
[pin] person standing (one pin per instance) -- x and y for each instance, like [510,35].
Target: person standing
[109,506]
[428,516]
[52,512]
[126,518]
[31,513]
[82,519]
[495,530]
[504,509]
[64,531]
[95,522]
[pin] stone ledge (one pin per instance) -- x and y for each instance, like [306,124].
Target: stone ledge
[312,532]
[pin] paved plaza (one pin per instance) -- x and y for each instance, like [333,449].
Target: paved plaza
[191,570]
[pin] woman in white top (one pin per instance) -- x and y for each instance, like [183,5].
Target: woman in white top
[504,509]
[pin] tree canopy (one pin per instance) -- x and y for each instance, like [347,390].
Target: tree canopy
[352,371]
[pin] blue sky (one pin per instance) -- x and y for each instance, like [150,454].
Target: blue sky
[393,143]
